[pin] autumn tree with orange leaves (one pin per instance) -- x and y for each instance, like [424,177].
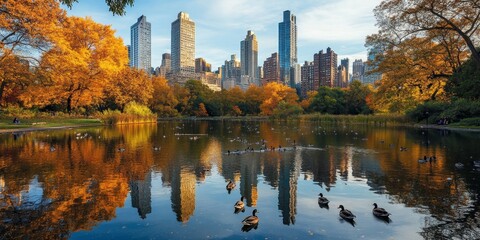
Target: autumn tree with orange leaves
[78,68]
[27,28]
[276,93]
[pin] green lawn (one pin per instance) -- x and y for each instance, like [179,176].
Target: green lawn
[7,123]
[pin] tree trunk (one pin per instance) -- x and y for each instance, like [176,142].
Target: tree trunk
[2,87]
[69,104]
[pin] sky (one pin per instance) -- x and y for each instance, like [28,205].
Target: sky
[220,25]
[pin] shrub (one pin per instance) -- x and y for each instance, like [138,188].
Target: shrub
[431,110]
[134,108]
[469,122]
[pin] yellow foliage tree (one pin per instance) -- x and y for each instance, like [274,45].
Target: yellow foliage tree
[26,28]
[13,78]
[163,101]
[129,85]
[276,93]
[76,70]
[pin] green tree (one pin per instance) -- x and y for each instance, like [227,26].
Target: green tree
[329,100]
[465,82]
[356,98]
[115,6]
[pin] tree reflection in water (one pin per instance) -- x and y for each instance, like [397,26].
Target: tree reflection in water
[49,195]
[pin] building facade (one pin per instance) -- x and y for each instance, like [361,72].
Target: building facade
[201,66]
[358,70]
[231,73]
[271,69]
[308,83]
[249,58]
[370,76]
[183,45]
[287,45]
[140,50]
[346,63]
[325,68]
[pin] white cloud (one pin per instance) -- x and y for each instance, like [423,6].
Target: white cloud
[347,20]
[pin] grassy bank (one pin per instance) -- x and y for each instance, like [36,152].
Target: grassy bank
[7,123]
[378,120]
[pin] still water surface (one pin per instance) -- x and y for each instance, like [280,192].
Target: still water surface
[168,181]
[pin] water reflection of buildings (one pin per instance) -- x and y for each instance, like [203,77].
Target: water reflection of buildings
[183,193]
[287,189]
[140,192]
[249,171]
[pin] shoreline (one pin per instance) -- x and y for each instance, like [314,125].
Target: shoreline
[32,129]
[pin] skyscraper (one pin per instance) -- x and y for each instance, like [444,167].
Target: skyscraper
[358,70]
[183,45]
[287,45]
[308,79]
[346,63]
[231,73]
[271,69]
[370,77]
[249,57]
[140,53]
[325,65]
[166,66]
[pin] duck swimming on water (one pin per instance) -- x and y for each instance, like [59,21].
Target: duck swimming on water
[346,214]
[251,220]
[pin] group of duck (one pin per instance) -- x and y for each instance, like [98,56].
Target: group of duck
[249,222]
[349,216]
[252,220]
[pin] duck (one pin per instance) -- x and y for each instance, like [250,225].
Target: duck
[231,185]
[322,200]
[346,214]
[251,220]
[239,204]
[476,163]
[423,160]
[459,165]
[379,212]
[156,148]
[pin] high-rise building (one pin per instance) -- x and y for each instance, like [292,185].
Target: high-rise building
[271,69]
[183,45]
[141,195]
[346,63]
[358,70]
[325,68]
[342,77]
[308,83]
[249,58]
[295,75]
[231,73]
[202,66]
[370,77]
[140,53]
[287,45]
[166,66]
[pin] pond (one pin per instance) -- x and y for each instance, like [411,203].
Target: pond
[168,181]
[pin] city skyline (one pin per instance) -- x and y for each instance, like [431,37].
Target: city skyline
[340,25]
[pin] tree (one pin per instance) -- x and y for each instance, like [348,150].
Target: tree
[163,101]
[402,19]
[356,98]
[27,28]
[201,111]
[413,71]
[115,6]
[276,93]
[254,96]
[329,100]
[129,85]
[76,70]
[465,82]
[13,78]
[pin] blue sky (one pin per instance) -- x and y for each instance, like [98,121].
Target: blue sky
[221,24]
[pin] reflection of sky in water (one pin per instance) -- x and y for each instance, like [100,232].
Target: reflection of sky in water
[180,189]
